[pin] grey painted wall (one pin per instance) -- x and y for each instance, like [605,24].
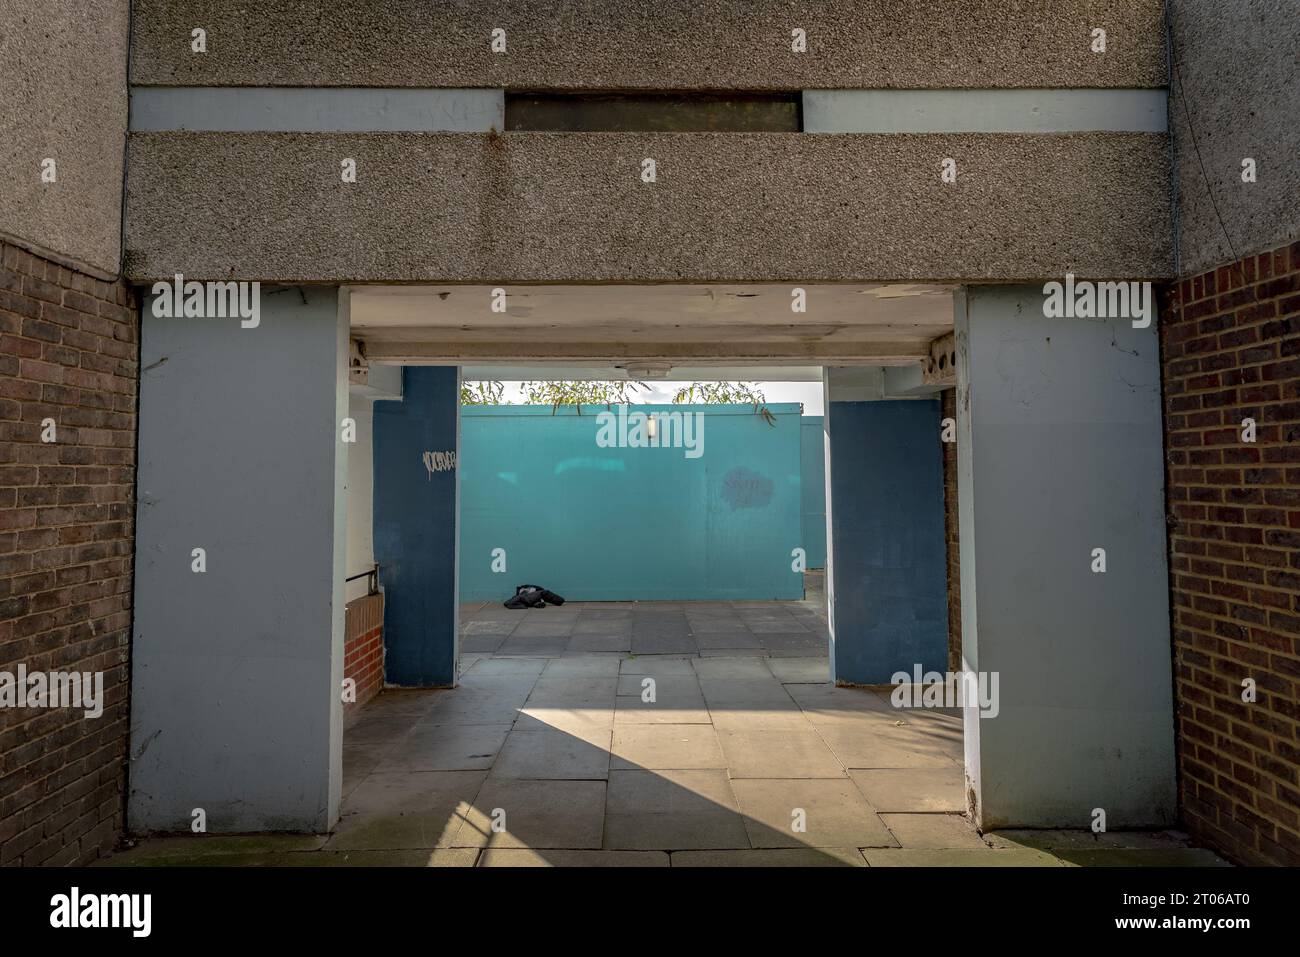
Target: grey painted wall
[674,44]
[1059,452]
[533,207]
[236,672]
[1236,95]
[63,96]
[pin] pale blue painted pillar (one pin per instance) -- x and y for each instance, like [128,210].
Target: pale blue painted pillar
[1059,445]
[416,483]
[887,574]
[237,659]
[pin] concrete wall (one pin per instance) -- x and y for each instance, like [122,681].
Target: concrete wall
[415,527]
[1236,94]
[361,494]
[63,86]
[630,524]
[812,488]
[1058,447]
[886,488]
[551,207]
[670,45]
[236,673]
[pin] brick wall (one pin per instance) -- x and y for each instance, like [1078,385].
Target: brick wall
[363,648]
[1231,351]
[950,533]
[68,352]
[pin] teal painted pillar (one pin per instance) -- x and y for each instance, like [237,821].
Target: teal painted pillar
[887,572]
[416,488]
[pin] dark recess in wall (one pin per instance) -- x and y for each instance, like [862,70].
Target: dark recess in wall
[654,112]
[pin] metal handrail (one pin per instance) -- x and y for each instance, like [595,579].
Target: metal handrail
[372,574]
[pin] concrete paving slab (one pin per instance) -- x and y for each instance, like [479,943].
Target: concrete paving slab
[469,747]
[531,857]
[778,754]
[537,814]
[772,857]
[672,810]
[913,789]
[405,811]
[831,812]
[933,831]
[657,747]
[957,857]
[554,755]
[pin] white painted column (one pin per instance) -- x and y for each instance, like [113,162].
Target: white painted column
[236,670]
[1059,453]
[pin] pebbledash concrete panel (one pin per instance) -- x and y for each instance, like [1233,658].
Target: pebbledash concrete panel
[670,45]
[1059,454]
[539,207]
[63,102]
[1235,96]
[236,669]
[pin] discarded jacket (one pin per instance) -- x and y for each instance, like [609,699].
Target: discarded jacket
[532,596]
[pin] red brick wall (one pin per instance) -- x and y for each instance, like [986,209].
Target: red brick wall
[950,534]
[1231,350]
[69,348]
[363,648]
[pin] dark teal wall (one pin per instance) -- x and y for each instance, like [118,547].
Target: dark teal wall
[887,535]
[619,524]
[415,528]
[813,480]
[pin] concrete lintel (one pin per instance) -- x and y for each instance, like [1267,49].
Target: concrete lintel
[511,348]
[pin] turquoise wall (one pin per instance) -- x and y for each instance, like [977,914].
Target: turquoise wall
[813,477]
[618,524]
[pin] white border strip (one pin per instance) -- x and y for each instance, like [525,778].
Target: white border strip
[985,111]
[315,110]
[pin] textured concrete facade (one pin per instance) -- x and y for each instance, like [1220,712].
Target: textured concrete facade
[1235,95]
[540,207]
[677,44]
[63,98]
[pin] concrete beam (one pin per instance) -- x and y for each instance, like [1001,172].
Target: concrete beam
[534,207]
[669,45]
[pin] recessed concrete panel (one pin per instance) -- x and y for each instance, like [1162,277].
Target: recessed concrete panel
[543,207]
[1059,454]
[236,670]
[670,45]
[1235,95]
[63,98]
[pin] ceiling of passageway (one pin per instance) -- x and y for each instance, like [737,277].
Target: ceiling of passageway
[689,325]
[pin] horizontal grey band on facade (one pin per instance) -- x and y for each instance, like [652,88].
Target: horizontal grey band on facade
[984,111]
[315,110]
